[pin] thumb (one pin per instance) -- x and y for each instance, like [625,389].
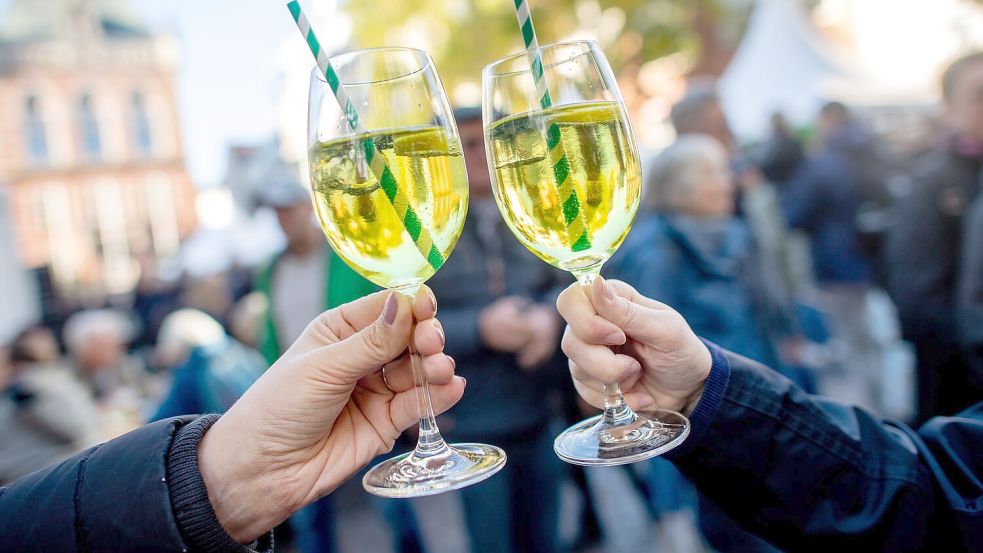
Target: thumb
[375,345]
[637,321]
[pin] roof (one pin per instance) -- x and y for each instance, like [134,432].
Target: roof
[36,20]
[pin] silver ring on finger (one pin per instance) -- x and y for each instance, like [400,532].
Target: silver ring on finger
[386,380]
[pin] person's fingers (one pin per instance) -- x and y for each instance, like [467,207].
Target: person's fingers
[597,361]
[376,344]
[438,368]
[575,308]
[639,317]
[639,401]
[403,408]
[424,304]
[429,337]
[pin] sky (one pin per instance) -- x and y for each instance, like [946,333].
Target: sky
[228,72]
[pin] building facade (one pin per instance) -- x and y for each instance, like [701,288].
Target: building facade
[90,149]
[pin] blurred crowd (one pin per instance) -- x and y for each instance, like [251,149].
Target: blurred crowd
[852,266]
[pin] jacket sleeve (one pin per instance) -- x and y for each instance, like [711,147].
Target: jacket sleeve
[814,475]
[118,496]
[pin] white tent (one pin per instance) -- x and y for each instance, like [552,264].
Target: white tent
[782,64]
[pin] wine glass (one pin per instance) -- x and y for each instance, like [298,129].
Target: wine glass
[565,174]
[391,196]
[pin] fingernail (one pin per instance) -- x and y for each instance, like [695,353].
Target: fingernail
[453,362]
[440,330]
[390,310]
[608,291]
[615,339]
[433,301]
[464,380]
[645,403]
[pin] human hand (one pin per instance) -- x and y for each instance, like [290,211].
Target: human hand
[323,410]
[618,335]
[543,326]
[502,325]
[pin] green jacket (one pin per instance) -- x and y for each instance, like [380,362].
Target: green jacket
[343,285]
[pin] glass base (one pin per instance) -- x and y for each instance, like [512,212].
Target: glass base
[452,468]
[595,442]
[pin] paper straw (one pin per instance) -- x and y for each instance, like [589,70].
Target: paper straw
[377,163]
[573,216]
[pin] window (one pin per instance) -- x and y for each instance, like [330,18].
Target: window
[142,140]
[34,134]
[89,129]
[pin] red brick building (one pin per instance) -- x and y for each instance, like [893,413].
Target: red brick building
[90,150]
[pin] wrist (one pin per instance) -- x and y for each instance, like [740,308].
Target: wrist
[702,369]
[235,487]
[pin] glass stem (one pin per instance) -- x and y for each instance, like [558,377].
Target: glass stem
[430,442]
[616,411]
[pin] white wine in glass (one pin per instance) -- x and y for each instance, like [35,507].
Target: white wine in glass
[565,174]
[392,197]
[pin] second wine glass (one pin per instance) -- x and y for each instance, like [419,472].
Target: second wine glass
[566,178]
[391,196]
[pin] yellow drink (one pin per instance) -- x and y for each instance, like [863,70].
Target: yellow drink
[603,166]
[360,222]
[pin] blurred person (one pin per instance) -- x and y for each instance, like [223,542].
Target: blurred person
[782,153]
[924,246]
[969,297]
[96,341]
[688,249]
[503,331]
[211,369]
[247,317]
[823,200]
[700,111]
[46,414]
[220,483]
[805,472]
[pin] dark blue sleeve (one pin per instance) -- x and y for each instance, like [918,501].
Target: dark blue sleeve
[139,492]
[113,497]
[811,474]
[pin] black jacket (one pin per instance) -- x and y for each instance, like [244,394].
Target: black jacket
[810,474]
[923,248]
[140,492]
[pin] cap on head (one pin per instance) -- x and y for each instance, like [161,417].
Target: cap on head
[467,114]
[282,188]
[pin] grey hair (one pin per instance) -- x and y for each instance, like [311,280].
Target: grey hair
[674,171]
[688,112]
[83,326]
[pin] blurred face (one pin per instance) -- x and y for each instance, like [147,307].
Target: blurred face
[297,224]
[100,352]
[473,144]
[964,108]
[712,194]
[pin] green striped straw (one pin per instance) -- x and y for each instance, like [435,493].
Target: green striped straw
[377,163]
[573,216]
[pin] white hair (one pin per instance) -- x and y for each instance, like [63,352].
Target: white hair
[82,327]
[674,172]
[185,329]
